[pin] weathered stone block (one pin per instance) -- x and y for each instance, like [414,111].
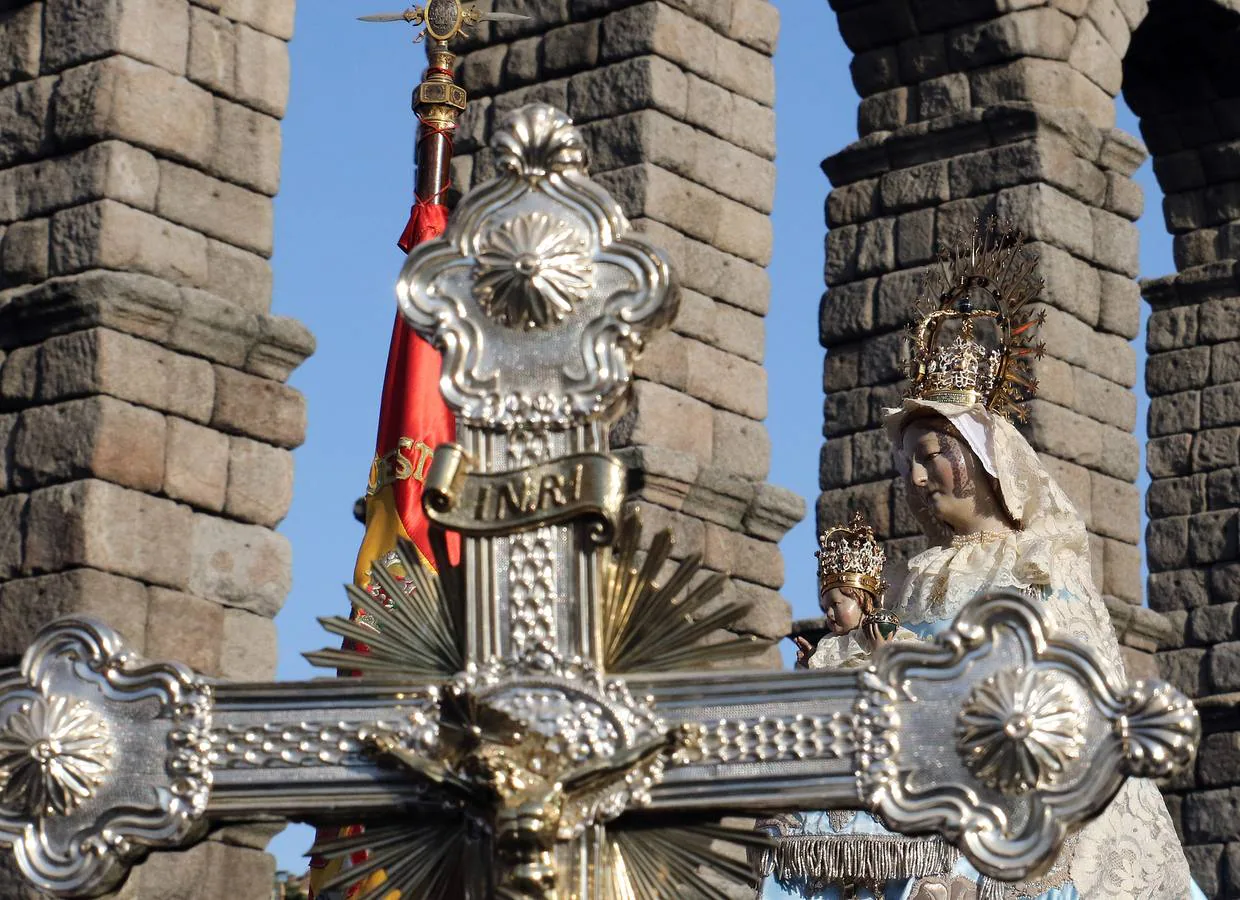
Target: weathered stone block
[216,208]
[1123,572]
[884,112]
[871,456]
[1220,405]
[258,408]
[914,238]
[773,512]
[23,119]
[1186,669]
[1213,624]
[1178,590]
[1166,545]
[196,467]
[918,186]
[246,566]
[739,332]
[750,560]
[262,73]
[1047,214]
[1065,433]
[1216,449]
[1171,329]
[704,268]
[248,646]
[1115,508]
[1051,82]
[1093,55]
[212,51]
[835,463]
[100,360]
[1174,413]
[1176,496]
[647,82]
[1219,320]
[668,418]
[740,445]
[1041,32]
[1169,456]
[239,276]
[1224,666]
[1124,196]
[154,31]
[110,235]
[211,869]
[1116,243]
[28,604]
[873,500]
[1223,580]
[20,42]
[571,48]
[1111,403]
[755,23]
[1177,370]
[99,525]
[1205,862]
[648,190]
[96,437]
[24,252]
[260,482]
[846,312]
[110,170]
[1223,489]
[246,147]
[13,508]
[185,628]
[1212,537]
[275,17]
[118,97]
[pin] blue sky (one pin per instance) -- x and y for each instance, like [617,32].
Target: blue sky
[346,185]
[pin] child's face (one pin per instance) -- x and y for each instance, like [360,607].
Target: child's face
[842,611]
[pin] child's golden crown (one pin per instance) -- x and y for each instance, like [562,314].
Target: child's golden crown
[849,556]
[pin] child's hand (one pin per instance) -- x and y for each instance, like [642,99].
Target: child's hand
[804,651]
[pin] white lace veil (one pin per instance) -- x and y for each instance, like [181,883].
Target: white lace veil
[1131,850]
[1050,549]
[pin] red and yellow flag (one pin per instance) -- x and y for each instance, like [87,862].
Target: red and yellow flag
[413,421]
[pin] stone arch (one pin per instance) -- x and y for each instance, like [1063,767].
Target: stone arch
[977,106]
[1180,78]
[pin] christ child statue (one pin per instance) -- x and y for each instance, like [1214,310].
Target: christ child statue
[850,594]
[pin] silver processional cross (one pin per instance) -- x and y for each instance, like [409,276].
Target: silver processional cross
[536,732]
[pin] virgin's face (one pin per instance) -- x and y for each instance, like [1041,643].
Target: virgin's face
[842,611]
[945,474]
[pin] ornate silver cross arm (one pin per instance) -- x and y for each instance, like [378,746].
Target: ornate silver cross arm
[553,728]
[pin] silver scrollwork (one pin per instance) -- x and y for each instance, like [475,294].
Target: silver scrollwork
[54,754]
[1019,729]
[101,756]
[537,293]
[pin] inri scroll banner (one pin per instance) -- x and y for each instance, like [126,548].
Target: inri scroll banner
[586,486]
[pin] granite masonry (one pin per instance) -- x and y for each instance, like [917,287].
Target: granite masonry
[145,422]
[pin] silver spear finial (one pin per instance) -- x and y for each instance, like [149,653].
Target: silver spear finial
[444,19]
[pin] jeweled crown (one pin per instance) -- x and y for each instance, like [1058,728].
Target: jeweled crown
[972,339]
[849,556]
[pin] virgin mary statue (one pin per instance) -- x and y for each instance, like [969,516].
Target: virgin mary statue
[997,520]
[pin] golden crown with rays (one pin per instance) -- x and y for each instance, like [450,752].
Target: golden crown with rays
[972,340]
[849,556]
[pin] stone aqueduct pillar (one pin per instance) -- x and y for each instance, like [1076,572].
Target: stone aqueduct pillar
[145,422]
[974,107]
[676,100]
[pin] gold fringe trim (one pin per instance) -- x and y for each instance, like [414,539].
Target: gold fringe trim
[826,859]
